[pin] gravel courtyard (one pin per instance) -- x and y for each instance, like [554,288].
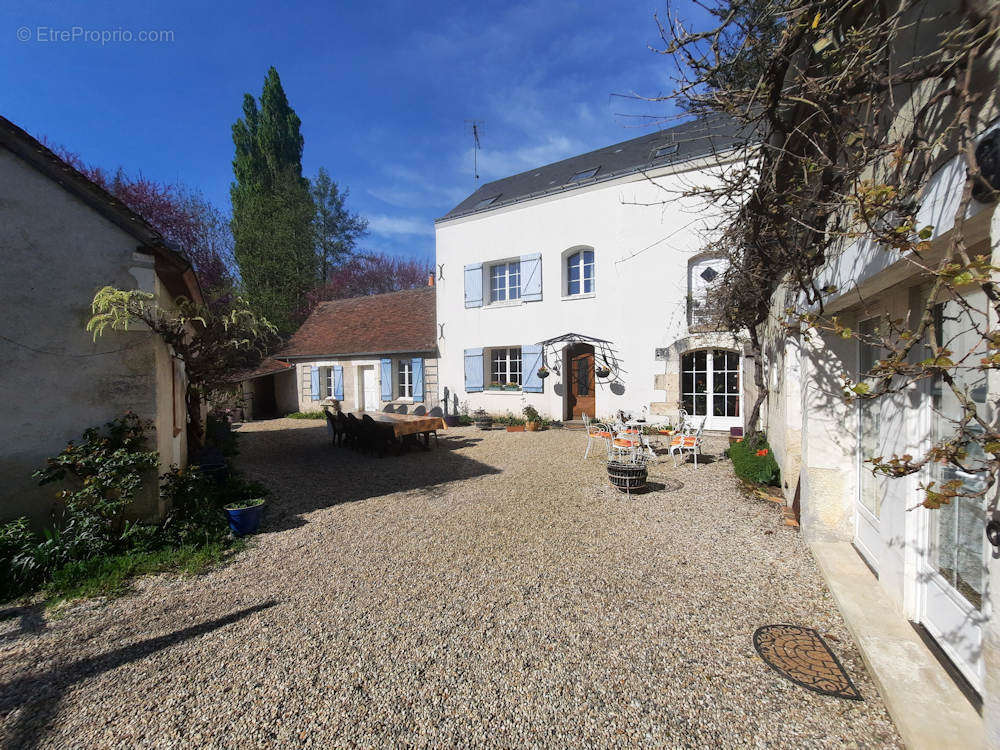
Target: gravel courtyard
[492,592]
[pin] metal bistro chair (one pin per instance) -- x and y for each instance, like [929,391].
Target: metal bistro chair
[687,442]
[420,410]
[597,431]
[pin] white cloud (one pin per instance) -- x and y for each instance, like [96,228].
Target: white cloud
[399,225]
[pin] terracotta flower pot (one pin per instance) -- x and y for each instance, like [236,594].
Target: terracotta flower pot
[515,428]
[533,426]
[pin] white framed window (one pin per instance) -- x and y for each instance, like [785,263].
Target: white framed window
[327,382]
[505,281]
[505,367]
[580,273]
[404,378]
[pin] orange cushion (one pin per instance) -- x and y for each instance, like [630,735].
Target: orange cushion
[603,434]
[625,443]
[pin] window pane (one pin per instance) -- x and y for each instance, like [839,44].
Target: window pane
[687,404]
[718,407]
[732,361]
[699,406]
[700,382]
[732,382]
[583,376]
[687,382]
[732,406]
[573,287]
[588,257]
[687,362]
[514,281]
[514,366]
[700,360]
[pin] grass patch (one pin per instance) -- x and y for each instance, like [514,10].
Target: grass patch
[307,415]
[113,576]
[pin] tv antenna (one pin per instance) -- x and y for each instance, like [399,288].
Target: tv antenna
[476,127]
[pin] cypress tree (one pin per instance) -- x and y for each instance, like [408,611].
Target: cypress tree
[273,211]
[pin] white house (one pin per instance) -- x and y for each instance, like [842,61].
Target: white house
[592,262]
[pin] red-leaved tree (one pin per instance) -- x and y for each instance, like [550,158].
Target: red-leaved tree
[183,216]
[373,273]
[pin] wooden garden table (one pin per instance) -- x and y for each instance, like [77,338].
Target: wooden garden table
[406,424]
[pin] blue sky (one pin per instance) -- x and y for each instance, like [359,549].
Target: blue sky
[382,88]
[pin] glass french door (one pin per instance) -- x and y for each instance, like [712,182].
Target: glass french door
[953,576]
[710,387]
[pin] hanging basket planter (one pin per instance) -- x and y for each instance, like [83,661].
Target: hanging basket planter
[543,373]
[602,372]
[627,477]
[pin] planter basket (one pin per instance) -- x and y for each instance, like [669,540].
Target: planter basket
[602,372]
[515,428]
[543,374]
[627,477]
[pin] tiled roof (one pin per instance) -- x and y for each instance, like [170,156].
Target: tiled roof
[694,139]
[377,324]
[268,366]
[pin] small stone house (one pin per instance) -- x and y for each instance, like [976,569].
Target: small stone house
[62,238]
[366,352]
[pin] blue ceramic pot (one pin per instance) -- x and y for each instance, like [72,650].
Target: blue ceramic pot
[245,521]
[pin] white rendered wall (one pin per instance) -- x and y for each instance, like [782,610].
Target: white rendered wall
[641,254]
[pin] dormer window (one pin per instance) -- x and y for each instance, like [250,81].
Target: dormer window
[585,174]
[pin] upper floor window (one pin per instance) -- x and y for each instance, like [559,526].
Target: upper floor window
[505,282]
[405,378]
[580,272]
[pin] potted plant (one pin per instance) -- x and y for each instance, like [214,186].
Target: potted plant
[533,421]
[543,372]
[515,424]
[602,371]
[244,515]
[482,420]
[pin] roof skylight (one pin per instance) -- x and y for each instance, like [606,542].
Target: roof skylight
[485,202]
[586,174]
[668,150]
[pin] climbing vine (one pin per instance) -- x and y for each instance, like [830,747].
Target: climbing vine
[847,111]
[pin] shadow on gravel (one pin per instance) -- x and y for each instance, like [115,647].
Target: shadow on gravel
[38,695]
[306,472]
[30,619]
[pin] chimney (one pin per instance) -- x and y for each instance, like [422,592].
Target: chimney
[430,279]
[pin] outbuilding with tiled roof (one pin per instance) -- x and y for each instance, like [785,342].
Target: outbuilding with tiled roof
[365,352]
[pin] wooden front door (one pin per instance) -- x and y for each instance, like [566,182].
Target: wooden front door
[581,382]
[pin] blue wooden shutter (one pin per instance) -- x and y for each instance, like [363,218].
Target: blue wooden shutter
[531,278]
[314,380]
[474,285]
[387,380]
[338,382]
[531,360]
[473,370]
[418,379]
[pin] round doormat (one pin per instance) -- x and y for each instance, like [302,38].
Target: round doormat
[802,656]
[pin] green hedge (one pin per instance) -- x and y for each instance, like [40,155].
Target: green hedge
[751,467]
